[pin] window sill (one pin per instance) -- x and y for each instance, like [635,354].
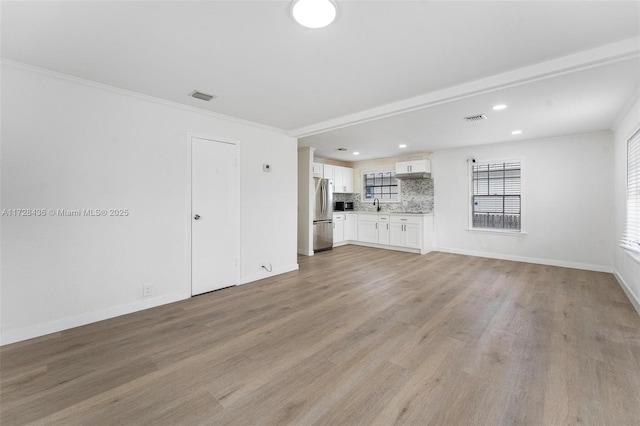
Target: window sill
[496,231]
[635,256]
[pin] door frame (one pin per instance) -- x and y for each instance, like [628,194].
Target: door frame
[189,213]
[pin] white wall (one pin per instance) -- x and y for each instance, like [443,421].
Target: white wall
[69,144]
[626,267]
[567,201]
[305,201]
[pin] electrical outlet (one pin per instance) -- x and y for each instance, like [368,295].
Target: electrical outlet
[147,290]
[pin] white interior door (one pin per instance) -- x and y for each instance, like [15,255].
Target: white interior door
[214,215]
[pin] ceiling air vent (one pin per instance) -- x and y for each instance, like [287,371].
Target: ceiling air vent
[476,117]
[201,96]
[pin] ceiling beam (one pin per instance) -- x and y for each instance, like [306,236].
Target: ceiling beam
[599,56]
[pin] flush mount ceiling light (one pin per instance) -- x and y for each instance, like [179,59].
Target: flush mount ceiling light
[314,13]
[499,107]
[402,145]
[516,132]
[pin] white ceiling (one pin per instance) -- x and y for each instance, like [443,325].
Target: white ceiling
[377,59]
[579,102]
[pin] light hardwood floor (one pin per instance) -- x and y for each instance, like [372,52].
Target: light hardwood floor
[356,336]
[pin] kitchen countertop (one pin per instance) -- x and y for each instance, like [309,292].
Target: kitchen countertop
[389,213]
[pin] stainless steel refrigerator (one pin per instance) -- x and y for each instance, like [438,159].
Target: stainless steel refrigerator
[323,215]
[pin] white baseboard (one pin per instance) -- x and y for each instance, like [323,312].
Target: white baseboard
[264,274]
[625,287]
[38,330]
[385,247]
[305,252]
[550,262]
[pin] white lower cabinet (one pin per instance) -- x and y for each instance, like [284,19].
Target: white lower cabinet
[412,233]
[383,229]
[368,228]
[351,227]
[338,228]
[345,228]
[406,231]
[395,234]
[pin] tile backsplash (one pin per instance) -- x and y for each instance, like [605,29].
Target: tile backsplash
[416,196]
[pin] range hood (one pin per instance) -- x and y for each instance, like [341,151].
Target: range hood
[415,169]
[414,175]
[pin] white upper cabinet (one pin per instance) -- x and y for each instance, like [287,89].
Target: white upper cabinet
[317,170]
[347,179]
[343,179]
[415,166]
[337,179]
[327,171]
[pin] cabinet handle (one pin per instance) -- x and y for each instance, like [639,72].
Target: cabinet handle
[387,226]
[376,226]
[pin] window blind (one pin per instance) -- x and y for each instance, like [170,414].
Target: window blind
[631,237]
[496,202]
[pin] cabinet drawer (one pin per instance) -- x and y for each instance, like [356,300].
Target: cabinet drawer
[383,218]
[406,219]
[339,216]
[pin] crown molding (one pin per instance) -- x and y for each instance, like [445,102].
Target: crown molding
[101,86]
[600,56]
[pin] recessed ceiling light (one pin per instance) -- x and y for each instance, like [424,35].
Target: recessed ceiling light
[356,153]
[516,132]
[402,145]
[499,107]
[314,13]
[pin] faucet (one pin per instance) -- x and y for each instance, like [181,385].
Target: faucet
[374,203]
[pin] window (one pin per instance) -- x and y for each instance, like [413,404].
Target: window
[496,196]
[380,185]
[631,237]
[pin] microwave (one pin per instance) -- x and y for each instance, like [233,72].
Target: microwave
[341,206]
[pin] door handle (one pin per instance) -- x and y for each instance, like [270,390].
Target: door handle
[197,217]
